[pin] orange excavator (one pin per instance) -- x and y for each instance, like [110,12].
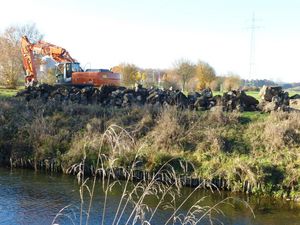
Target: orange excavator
[68,70]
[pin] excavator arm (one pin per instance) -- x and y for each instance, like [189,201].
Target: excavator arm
[70,72]
[28,61]
[57,53]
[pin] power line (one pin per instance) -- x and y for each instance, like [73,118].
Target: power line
[252,28]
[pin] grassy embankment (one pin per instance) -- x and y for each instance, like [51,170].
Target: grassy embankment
[249,152]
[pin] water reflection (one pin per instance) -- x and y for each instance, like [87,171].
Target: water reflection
[32,198]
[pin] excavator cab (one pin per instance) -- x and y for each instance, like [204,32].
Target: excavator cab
[64,72]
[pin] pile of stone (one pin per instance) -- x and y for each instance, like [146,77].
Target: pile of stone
[239,101]
[107,95]
[125,97]
[295,102]
[273,98]
[203,100]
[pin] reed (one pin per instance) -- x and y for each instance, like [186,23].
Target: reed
[164,185]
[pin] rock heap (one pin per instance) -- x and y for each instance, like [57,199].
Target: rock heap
[273,98]
[239,101]
[125,97]
[295,101]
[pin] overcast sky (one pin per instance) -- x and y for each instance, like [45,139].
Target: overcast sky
[155,33]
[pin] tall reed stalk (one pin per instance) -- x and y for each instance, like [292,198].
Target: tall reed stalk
[163,185]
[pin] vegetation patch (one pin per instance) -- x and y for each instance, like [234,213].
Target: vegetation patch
[252,152]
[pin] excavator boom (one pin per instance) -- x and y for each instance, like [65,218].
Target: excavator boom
[57,53]
[28,60]
[70,71]
[28,49]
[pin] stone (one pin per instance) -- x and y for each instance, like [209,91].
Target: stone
[267,92]
[295,103]
[296,96]
[235,100]
[274,98]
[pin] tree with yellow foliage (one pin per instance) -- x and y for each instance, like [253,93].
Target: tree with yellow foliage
[231,82]
[130,74]
[205,75]
[139,77]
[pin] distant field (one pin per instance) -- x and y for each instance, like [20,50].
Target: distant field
[291,93]
[294,89]
[6,93]
[255,94]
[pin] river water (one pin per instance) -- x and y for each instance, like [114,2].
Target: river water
[33,198]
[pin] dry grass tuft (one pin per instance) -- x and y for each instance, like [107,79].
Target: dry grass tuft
[168,130]
[164,185]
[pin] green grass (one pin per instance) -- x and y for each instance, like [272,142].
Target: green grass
[217,93]
[7,93]
[254,94]
[291,93]
[248,117]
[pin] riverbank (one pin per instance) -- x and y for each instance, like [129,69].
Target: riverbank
[242,152]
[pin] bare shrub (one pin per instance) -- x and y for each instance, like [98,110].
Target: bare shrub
[169,130]
[164,185]
[47,141]
[282,130]
[212,141]
[144,125]
[38,131]
[220,118]
[96,125]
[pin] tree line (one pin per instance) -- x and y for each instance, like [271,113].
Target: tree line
[184,75]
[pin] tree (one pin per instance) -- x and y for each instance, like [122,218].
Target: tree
[48,76]
[10,63]
[31,31]
[205,74]
[11,67]
[231,82]
[129,73]
[140,77]
[215,85]
[170,79]
[185,71]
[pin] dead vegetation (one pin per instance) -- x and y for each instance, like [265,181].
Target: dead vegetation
[251,152]
[164,186]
